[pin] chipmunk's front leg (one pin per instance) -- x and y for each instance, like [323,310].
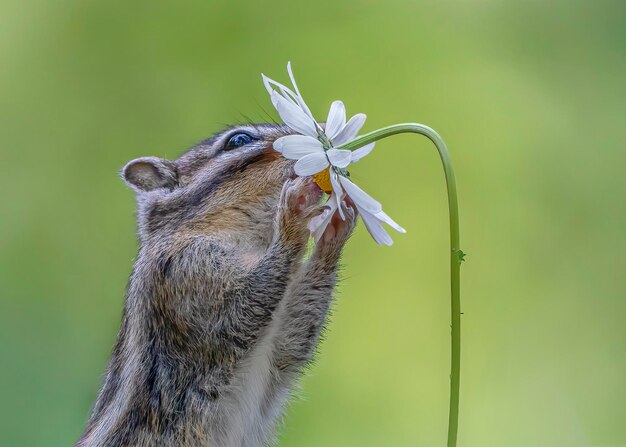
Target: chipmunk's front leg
[308,297]
[254,297]
[231,303]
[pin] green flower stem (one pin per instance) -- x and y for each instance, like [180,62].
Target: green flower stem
[456,255]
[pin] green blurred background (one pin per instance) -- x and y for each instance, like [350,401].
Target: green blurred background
[531,99]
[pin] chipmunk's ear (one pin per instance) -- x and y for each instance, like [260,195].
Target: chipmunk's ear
[148,173]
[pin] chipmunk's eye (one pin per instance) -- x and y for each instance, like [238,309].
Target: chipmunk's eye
[238,140]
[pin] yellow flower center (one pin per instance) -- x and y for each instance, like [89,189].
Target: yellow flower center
[322,179]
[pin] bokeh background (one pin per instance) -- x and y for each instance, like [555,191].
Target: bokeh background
[531,99]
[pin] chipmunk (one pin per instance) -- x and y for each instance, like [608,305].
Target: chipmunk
[222,311]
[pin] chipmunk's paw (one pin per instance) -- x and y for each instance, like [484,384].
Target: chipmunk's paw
[299,201]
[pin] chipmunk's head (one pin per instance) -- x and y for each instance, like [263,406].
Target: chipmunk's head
[228,185]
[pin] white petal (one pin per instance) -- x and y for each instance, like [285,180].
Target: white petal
[307,111]
[337,192]
[360,197]
[294,147]
[389,221]
[362,152]
[317,225]
[350,130]
[299,97]
[290,96]
[336,119]
[316,221]
[294,116]
[375,228]
[267,82]
[297,100]
[311,164]
[285,92]
[292,78]
[339,157]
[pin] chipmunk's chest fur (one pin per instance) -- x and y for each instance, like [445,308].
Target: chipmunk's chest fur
[255,398]
[252,401]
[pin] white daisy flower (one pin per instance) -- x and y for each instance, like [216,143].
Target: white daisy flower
[314,150]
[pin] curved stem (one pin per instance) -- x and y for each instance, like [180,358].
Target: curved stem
[456,255]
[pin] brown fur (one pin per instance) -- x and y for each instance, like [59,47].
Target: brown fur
[222,311]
